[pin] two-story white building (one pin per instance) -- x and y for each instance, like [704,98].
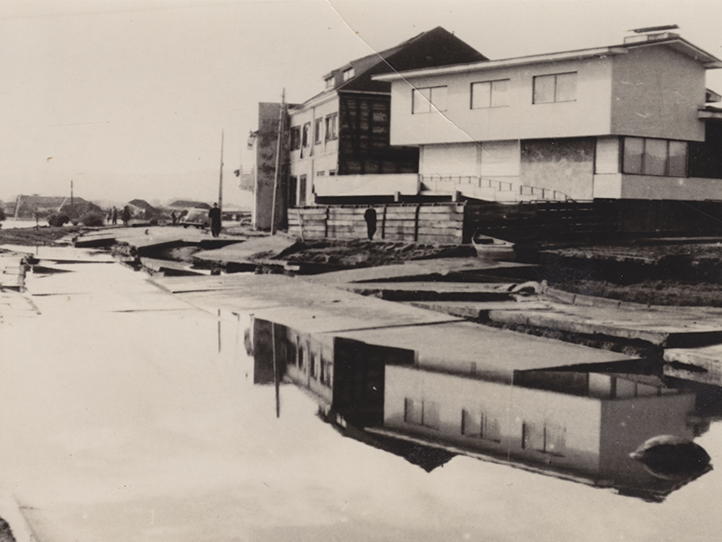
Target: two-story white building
[621,122]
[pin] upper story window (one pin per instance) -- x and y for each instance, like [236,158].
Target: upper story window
[558,87]
[329,82]
[331,126]
[645,156]
[318,131]
[306,135]
[490,94]
[348,74]
[424,98]
[295,138]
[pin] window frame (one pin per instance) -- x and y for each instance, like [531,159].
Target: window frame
[555,76]
[491,93]
[348,73]
[331,122]
[295,133]
[318,131]
[306,135]
[431,106]
[644,169]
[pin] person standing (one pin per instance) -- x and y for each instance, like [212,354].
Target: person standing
[370,218]
[114,216]
[215,218]
[126,215]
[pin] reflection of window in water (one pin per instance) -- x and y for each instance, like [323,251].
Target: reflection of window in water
[424,413]
[301,358]
[326,371]
[480,425]
[550,439]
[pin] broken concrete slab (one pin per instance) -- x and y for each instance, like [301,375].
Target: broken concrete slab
[248,251]
[479,310]
[438,269]
[475,350]
[170,268]
[667,327]
[703,364]
[60,254]
[297,304]
[432,291]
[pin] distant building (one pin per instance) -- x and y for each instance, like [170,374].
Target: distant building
[43,206]
[336,144]
[630,121]
[142,209]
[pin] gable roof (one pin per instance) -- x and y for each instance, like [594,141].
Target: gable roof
[430,49]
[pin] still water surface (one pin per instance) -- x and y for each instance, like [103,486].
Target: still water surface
[128,415]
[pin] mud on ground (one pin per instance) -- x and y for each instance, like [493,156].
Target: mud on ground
[664,273]
[361,253]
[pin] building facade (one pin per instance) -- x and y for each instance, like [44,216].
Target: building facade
[628,121]
[339,140]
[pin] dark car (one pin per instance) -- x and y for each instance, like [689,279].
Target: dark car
[195,217]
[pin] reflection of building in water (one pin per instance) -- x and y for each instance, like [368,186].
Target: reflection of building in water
[576,425]
[346,376]
[584,427]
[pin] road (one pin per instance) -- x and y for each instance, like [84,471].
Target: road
[121,420]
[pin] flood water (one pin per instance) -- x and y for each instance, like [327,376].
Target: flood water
[127,414]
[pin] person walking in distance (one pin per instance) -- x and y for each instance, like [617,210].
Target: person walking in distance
[215,218]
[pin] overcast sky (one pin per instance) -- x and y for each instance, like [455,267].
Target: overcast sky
[128,98]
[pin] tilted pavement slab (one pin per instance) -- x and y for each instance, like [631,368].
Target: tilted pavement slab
[703,364]
[668,327]
[296,303]
[248,251]
[422,270]
[443,342]
[476,350]
[436,290]
[61,254]
[479,310]
[111,288]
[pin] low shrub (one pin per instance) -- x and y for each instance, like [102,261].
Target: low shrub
[58,219]
[93,219]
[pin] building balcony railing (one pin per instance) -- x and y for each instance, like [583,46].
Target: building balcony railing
[489,188]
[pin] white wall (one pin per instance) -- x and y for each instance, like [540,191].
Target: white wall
[590,114]
[656,93]
[316,158]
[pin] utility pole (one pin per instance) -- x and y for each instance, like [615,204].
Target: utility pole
[220,181]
